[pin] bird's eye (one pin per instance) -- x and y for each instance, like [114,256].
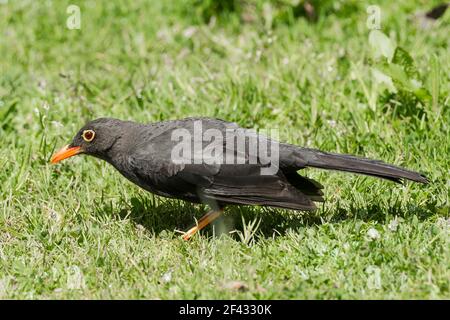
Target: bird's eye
[88,135]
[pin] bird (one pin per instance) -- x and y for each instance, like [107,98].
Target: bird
[171,159]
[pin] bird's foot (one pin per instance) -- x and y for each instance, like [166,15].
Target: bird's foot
[188,234]
[203,222]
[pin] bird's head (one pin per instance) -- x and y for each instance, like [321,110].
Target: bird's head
[96,138]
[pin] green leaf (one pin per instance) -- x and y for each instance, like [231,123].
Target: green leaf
[404,74]
[383,79]
[398,75]
[404,59]
[423,94]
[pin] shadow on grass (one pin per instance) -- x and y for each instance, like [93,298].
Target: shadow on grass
[169,215]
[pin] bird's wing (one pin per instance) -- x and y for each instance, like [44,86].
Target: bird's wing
[152,164]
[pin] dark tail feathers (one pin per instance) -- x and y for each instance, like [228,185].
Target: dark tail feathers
[342,162]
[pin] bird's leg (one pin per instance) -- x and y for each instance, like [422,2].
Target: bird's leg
[203,222]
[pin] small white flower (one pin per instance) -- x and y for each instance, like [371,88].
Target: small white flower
[416,83]
[303,275]
[393,225]
[166,277]
[57,124]
[54,216]
[189,32]
[332,123]
[373,234]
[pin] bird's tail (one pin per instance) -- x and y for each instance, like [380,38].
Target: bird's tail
[342,162]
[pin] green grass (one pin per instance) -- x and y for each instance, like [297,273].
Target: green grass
[80,230]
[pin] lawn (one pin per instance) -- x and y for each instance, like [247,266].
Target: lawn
[79,230]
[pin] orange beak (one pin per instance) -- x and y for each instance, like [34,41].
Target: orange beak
[65,153]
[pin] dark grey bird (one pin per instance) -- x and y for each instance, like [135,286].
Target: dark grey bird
[204,160]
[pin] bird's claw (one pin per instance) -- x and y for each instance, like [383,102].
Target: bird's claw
[188,234]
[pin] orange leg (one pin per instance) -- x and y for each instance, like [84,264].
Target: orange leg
[203,222]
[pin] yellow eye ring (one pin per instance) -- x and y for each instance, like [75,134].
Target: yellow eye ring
[88,135]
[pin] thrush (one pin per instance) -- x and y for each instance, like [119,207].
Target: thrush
[232,172]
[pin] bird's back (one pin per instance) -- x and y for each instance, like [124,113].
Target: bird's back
[179,159]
